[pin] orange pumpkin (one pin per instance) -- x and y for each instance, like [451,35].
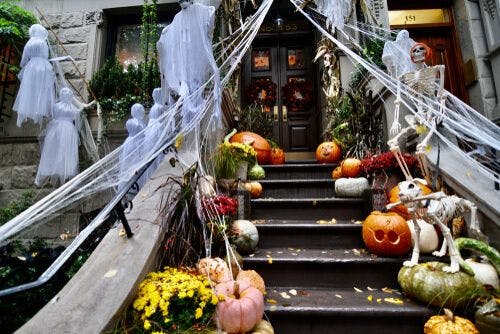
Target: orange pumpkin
[242,306]
[255,189]
[401,209]
[277,156]
[337,173]
[253,278]
[386,234]
[328,152]
[259,144]
[351,167]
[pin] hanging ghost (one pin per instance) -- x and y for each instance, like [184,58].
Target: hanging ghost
[396,55]
[186,60]
[336,12]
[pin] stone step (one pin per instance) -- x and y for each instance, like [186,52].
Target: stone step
[324,268]
[299,170]
[310,208]
[314,234]
[298,188]
[339,311]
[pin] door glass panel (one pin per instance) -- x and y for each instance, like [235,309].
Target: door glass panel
[295,59]
[261,60]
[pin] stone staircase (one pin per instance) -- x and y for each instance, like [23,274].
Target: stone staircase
[319,278]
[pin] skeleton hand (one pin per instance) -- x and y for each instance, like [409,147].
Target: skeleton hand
[395,128]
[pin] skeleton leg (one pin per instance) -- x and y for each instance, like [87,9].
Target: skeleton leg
[474,229]
[454,254]
[424,168]
[415,235]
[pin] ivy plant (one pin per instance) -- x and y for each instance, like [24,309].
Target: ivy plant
[14,22]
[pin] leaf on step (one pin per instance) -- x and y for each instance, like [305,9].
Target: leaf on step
[379,300]
[122,233]
[295,254]
[395,301]
[271,301]
[358,222]
[371,289]
[285,295]
[314,203]
[251,255]
[270,260]
[338,296]
[356,251]
[273,308]
[293,292]
[324,252]
[291,249]
[304,293]
[370,298]
[280,252]
[111,273]
[388,290]
[357,290]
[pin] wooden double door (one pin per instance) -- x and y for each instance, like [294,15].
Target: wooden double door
[287,62]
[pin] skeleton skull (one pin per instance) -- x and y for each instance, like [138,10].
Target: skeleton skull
[409,190]
[418,53]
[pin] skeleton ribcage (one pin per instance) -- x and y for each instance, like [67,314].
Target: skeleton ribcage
[446,208]
[422,81]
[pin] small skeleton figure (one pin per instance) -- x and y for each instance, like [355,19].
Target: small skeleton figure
[422,81]
[436,208]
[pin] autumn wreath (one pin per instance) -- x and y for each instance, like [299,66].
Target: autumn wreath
[298,95]
[262,91]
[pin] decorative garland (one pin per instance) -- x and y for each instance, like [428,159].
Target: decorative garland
[261,87]
[298,95]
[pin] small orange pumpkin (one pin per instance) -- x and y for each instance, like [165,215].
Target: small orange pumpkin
[386,234]
[255,189]
[449,323]
[351,167]
[337,173]
[259,144]
[277,156]
[401,209]
[328,152]
[242,306]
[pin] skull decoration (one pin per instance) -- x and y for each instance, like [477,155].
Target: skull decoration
[386,234]
[420,53]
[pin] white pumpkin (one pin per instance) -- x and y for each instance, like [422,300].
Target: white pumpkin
[214,269]
[484,273]
[246,236]
[429,239]
[351,187]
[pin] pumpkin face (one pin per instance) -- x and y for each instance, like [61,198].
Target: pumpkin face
[401,209]
[337,173]
[386,234]
[259,144]
[253,278]
[428,283]
[328,152]
[277,156]
[214,269]
[351,167]
[242,307]
[246,236]
[449,323]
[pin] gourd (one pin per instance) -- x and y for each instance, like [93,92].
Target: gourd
[337,173]
[449,324]
[351,187]
[253,278]
[386,234]
[242,306]
[428,283]
[214,269]
[263,327]
[351,167]
[428,241]
[488,317]
[277,156]
[259,144]
[246,236]
[255,189]
[256,172]
[328,152]
[401,209]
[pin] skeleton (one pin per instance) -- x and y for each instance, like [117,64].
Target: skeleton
[423,82]
[437,209]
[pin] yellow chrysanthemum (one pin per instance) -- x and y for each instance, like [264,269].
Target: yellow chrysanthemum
[198,313]
[147,324]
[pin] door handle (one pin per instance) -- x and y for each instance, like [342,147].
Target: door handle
[285,114]
[275,113]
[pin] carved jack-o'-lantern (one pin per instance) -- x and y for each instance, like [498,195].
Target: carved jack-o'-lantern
[328,152]
[386,234]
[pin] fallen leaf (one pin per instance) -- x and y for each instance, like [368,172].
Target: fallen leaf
[111,273]
[356,251]
[357,290]
[295,254]
[270,260]
[395,301]
[280,252]
[387,290]
[371,289]
[338,296]
[293,292]
[251,255]
[122,233]
[273,308]
[379,300]
[469,174]
[370,298]
[304,293]
[285,295]
[271,301]
[323,252]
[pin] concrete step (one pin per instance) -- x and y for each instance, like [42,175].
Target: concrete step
[298,188]
[310,208]
[314,234]
[339,311]
[299,170]
[324,268]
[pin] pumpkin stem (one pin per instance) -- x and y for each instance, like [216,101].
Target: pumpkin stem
[229,135]
[236,290]
[449,315]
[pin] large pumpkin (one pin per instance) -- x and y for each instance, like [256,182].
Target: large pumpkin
[386,234]
[277,156]
[351,167]
[449,324]
[214,269]
[401,209]
[428,283]
[242,306]
[328,152]
[428,240]
[246,236]
[259,144]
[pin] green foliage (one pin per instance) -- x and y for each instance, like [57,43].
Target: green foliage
[372,51]
[14,22]
[16,207]
[254,119]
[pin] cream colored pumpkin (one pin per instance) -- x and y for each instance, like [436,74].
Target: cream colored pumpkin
[214,269]
[484,273]
[351,187]
[429,240]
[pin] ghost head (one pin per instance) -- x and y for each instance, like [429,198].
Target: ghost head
[137,111]
[402,35]
[133,127]
[157,95]
[66,95]
[420,53]
[37,31]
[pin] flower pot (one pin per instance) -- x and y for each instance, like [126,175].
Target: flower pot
[241,172]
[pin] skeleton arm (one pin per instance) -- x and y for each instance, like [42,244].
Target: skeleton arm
[396,126]
[434,196]
[440,93]
[62,58]
[82,106]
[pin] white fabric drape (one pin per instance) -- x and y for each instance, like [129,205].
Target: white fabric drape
[396,54]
